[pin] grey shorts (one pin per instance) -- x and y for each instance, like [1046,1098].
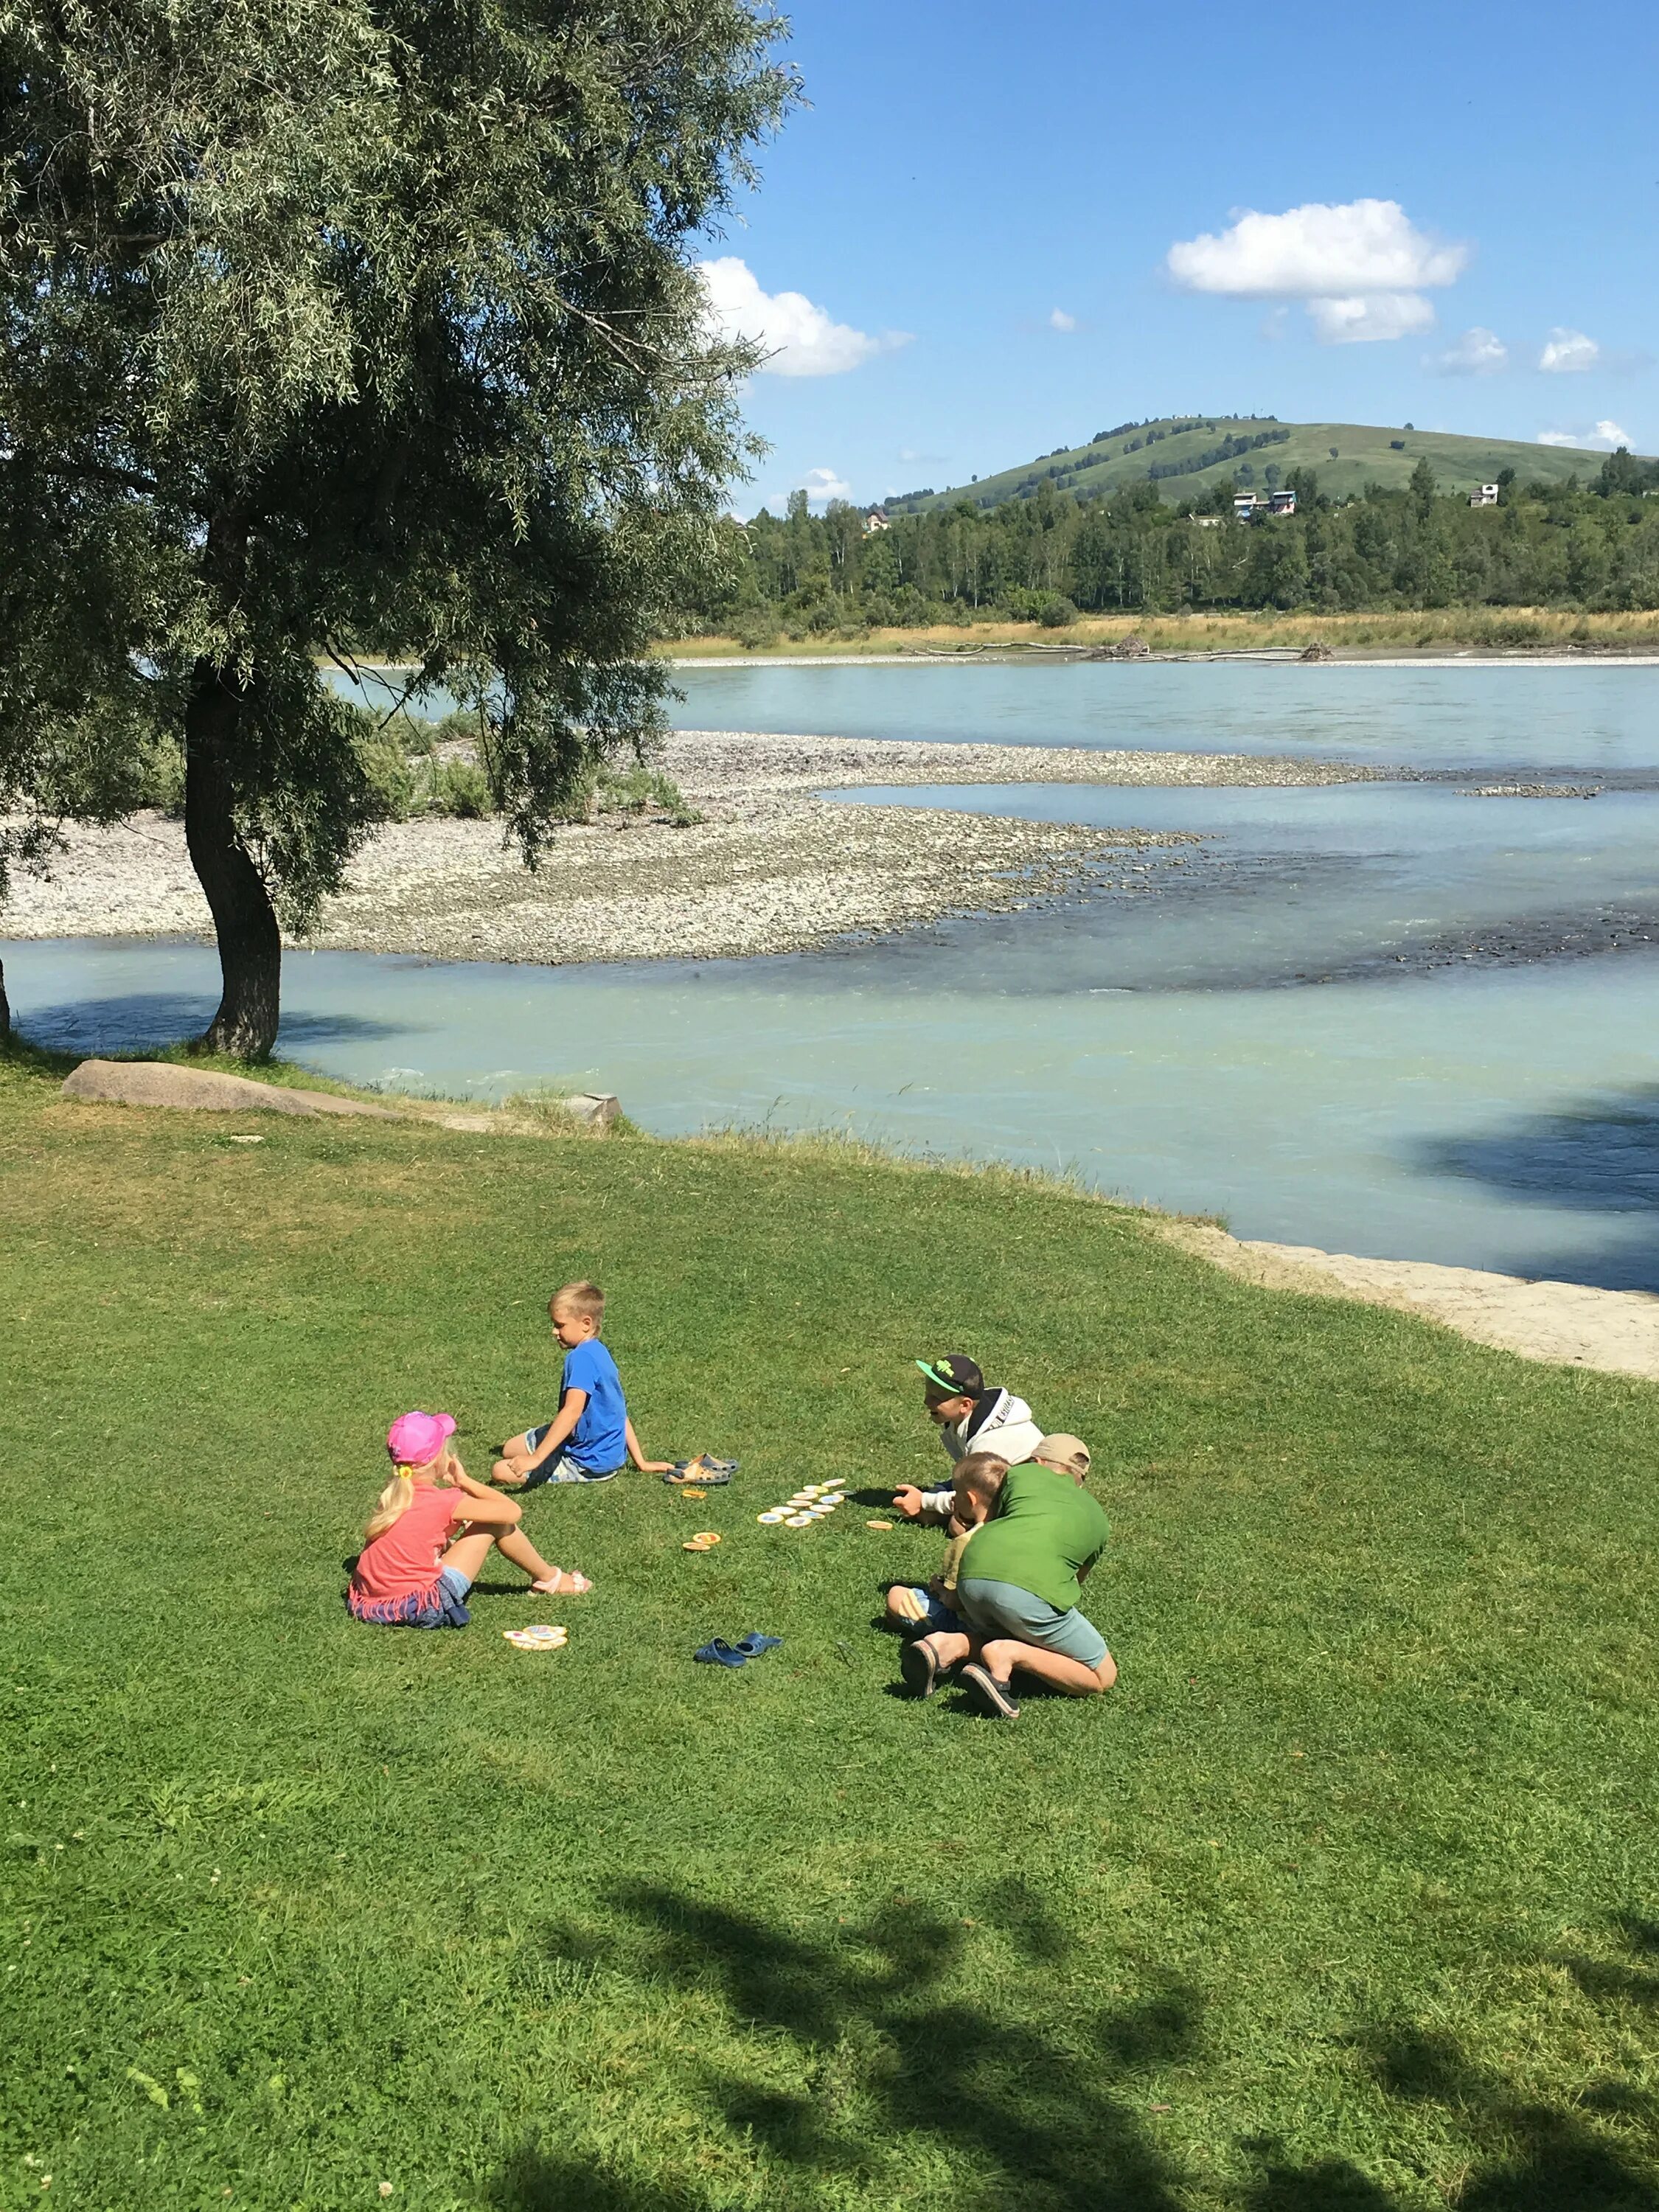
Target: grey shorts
[559,1467]
[1005,1609]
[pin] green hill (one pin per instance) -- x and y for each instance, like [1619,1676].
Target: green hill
[1187,453]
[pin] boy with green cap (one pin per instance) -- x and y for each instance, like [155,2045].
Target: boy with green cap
[971,1416]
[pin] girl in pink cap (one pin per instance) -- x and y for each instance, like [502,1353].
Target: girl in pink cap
[402,1579]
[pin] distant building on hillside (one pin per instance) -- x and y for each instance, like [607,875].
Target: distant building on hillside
[1205,521]
[1484,496]
[876,520]
[1256,505]
[1281,503]
[1245,504]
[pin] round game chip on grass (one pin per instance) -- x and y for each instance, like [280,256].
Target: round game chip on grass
[704,1541]
[540,1637]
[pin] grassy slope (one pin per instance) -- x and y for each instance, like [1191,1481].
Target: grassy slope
[1347,1898]
[1366,456]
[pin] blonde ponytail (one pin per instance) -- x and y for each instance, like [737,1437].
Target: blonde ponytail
[398,1494]
[394,1501]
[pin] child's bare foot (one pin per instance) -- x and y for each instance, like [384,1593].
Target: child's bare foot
[563,1582]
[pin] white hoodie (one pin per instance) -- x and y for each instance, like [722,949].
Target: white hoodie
[1000,1423]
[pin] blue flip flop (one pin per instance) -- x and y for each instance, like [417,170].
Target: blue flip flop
[754,1643]
[717,1652]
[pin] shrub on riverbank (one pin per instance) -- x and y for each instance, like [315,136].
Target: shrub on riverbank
[1439,629]
[1344,1897]
[419,768]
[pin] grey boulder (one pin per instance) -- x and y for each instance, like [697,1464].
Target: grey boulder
[201,1089]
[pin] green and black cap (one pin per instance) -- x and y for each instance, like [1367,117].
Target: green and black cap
[955,1374]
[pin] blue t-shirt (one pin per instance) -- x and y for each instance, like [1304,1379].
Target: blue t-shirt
[598,1441]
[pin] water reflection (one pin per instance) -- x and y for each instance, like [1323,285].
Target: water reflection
[138,1021]
[1599,1156]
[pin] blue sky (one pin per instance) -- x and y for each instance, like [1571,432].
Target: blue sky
[1453,196]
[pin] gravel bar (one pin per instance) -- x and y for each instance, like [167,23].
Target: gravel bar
[772,867]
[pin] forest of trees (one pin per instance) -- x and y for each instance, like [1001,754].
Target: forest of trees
[1050,555]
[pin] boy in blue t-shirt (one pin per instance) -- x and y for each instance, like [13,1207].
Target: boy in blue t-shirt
[591,1437]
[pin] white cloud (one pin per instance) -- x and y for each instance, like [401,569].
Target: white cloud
[800,339]
[1060,320]
[822,485]
[1605,438]
[1369,316]
[1361,266]
[1316,251]
[1566,353]
[1479,352]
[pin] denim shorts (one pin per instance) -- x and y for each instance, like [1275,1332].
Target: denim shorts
[936,1619]
[441,1607]
[1005,1609]
[560,1466]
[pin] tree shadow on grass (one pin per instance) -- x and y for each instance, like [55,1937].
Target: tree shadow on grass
[882,2059]
[1534,2156]
[1328,2184]
[1538,2157]
[887,2059]
[1531,2156]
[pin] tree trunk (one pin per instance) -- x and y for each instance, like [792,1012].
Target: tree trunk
[244,920]
[5,1008]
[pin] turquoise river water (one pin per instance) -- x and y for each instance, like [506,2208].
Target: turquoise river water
[1394,1018]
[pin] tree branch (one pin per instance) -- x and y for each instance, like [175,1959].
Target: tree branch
[103,472]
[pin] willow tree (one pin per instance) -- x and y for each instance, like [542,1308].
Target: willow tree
[337,324]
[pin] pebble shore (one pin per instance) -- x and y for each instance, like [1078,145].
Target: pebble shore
[772,868]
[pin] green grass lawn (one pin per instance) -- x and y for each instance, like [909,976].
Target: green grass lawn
[1346,1898]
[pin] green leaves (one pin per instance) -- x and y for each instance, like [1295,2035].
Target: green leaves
[338,323]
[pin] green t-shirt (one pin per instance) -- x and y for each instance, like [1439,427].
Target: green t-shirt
[1042,1530]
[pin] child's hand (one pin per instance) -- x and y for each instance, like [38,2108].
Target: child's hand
[906,1500]
[656,1466]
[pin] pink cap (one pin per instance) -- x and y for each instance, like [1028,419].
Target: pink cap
[413,1439]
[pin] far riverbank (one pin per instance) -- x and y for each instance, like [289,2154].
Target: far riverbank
[1407,636]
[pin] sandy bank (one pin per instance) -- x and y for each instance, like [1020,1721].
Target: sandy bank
[1567,1324]
[772,867]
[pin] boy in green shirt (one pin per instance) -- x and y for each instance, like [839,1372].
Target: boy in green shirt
[1019,1595]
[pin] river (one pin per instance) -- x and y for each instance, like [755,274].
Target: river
[1392,1019]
